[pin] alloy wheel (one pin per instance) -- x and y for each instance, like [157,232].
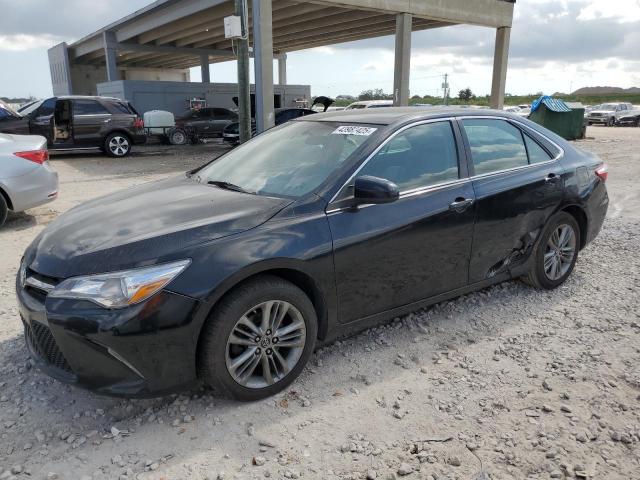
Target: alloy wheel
[560,252]
[265,344]
[119,146]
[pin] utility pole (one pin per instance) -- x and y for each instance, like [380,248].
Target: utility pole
[244,94]
[445,88]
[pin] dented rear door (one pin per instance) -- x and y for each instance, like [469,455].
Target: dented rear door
[515,195]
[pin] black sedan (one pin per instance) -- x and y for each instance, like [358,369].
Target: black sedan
[232,273]
[231,132]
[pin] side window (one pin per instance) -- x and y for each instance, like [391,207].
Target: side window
[88,107]
[417,157]
[123,107]
[495,145]
[537,154]
[47,108]
[221,113]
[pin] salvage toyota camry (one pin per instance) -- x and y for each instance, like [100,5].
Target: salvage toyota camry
[230,274]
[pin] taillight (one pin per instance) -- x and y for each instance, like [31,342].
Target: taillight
[602,172]
[138,123]
[37,156]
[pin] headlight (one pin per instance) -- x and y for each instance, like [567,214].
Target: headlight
[120,289]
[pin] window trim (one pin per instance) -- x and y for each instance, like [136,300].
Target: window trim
[459,135]
[73,108]
[524,129]
[461,173]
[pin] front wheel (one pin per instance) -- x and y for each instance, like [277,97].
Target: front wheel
[258,339]
[117,145]
[556,252]
[610,122]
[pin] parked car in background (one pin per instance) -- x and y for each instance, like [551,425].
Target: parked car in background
[511,109]
[628,118]
[231,132]
[208,122]
[79,123]
[369,104]
[27,179]
[231,273]
[607,112]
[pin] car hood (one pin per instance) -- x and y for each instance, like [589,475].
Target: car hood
[143,225]
[601,111]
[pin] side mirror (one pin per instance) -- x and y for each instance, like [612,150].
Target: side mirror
[367,189]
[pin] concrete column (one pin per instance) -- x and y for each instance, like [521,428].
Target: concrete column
[111,55]
[282,69]
[402,60]
[204,68]
[263,64]
[500,59]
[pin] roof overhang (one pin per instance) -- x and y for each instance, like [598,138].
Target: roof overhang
[177,33]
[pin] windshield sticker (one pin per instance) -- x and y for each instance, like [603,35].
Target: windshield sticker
[353,130]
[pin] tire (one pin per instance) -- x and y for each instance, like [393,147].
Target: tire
[4,210]
[117,145]
[235,314]
[177,136]
[610,122]
[544,276]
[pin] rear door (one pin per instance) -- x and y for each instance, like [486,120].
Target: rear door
[391,255]
[517,185]
[90,117]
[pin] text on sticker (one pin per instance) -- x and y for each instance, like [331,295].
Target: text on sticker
[353,130]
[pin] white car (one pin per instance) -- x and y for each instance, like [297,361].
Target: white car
[606,113]
[370,104]
[27,179]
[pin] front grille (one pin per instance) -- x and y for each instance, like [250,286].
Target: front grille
[43,344]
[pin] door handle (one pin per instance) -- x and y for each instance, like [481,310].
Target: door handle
[460,204]
[552,177]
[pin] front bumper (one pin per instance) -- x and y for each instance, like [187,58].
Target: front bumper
[602,120]
[143,351]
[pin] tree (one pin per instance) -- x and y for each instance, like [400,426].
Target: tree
[377,94]
[466,94]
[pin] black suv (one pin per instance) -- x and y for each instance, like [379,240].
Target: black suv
[79,122]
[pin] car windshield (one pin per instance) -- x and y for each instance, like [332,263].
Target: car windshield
[289,161]
[607,106]
[31,108]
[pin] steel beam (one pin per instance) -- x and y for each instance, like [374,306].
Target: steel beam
[263,64]
[282,69]
[402,60]
[500,60]
[110,55]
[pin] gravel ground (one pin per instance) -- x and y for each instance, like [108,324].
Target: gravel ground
[506,383]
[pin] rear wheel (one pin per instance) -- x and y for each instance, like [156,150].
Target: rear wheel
[177,136]
[556,252]
[258,339]
[4,210]
[117,145]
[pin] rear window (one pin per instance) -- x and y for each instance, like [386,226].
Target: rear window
[124,107]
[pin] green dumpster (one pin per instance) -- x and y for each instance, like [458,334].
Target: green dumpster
[565,119]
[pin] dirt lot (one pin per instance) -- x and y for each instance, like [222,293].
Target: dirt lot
[506,383]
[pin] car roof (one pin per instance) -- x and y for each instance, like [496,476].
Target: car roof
[88,97]
[391,115]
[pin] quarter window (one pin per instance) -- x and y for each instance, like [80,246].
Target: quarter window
[417,157]
[537,154]
[88,107]
[495,145]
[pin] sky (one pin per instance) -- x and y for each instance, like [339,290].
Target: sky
[556,45]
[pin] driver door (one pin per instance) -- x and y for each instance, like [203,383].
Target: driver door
[395,254]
